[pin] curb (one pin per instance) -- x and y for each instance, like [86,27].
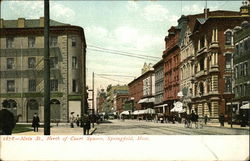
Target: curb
[93,131]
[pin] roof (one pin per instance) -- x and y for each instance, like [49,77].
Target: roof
[201,20]
[30,23]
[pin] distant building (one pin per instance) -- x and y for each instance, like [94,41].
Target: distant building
[159,87]
[22,68]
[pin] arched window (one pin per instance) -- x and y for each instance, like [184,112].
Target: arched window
[228,37]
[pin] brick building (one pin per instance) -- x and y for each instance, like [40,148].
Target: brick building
[21,68]
[171,57]
[212,66]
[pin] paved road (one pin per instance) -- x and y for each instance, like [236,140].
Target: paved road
[134,127]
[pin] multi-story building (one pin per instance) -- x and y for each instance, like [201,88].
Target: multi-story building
[213,63]
[142,89]
[120,98]
[171,57]
[100,99]
[241,65]
[159,87]
[22,68]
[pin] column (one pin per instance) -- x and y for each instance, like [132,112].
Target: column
[216,35]
[205,63]
[199,44]
[213,36]
[205,41]
[215,108]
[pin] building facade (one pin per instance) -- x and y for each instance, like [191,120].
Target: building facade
[171,57]
[159,86]
[241,66]
[22,68]
[213,63]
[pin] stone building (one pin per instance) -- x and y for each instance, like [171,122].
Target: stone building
[22,68]
[159,86]
[212,66]
[241,66]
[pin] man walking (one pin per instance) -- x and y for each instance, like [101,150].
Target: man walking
[35,122]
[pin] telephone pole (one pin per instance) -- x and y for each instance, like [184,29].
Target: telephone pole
[46,70]
[93,92]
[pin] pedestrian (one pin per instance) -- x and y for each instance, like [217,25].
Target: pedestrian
[35,122]
[205,119]
[221,119]
[71,120]
[77,120]
[7,122]
[86,125]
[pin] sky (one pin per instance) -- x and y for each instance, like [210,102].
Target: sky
[135,27]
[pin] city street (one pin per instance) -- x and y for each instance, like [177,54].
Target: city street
[135,127]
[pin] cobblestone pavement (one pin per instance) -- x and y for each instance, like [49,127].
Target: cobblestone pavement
[135,127]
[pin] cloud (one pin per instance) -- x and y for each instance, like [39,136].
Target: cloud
[61,11]
[155,12]
[192,9]
[35,9]
[132,6]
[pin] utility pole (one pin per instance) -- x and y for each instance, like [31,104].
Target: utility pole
[93,92]
[46,70]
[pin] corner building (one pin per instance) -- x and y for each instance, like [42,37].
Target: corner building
[22,68]
[213,63]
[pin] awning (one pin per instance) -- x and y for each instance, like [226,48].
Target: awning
[147,111]
[147,100]
[178,107]
[142,100]
[245,107]
[125,113]
[161,105]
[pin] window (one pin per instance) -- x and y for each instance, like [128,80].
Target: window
[228,84]
[245,66]
[54,85]
[32,85]
[202,42]
[10,86]
[53,62]
[202,64]
[241,69]
[74,86]
[73,39]
[31,62]
[237,49]
[228,61]
[246,44]
[228,36]
[10,42]
[74,62]
[10,63]
[53,41]
[31,42]
[236,71]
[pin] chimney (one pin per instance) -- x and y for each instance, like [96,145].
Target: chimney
[41,22]
[1,23]
[206,12]
[20,22]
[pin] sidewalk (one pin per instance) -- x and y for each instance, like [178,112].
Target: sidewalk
[62,129]
[226,125]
